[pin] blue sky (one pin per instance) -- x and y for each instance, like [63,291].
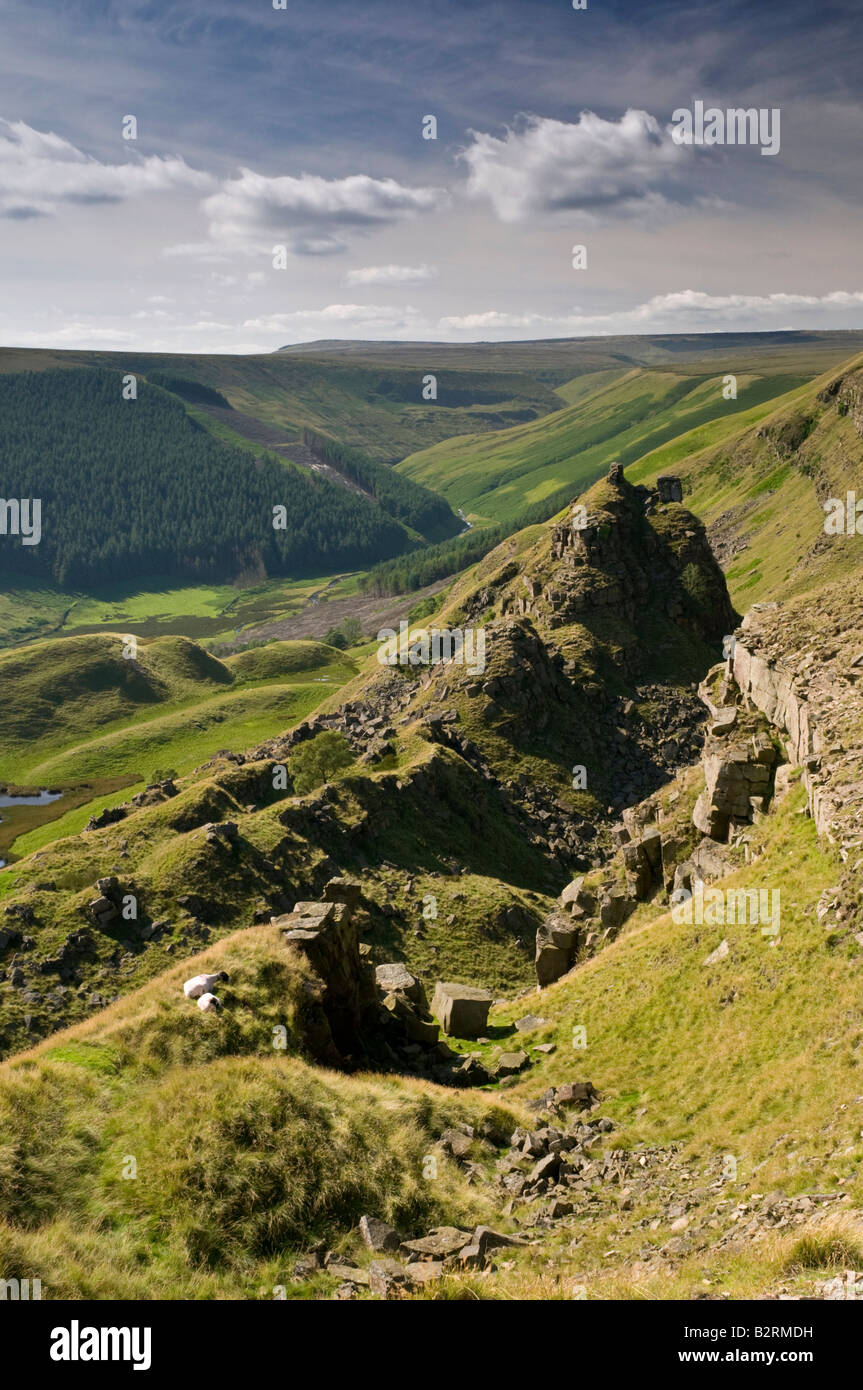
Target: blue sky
[302,128]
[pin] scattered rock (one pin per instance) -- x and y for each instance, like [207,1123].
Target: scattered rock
[377,1235]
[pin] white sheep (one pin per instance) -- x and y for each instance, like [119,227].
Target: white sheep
[202,984]
[209,1004]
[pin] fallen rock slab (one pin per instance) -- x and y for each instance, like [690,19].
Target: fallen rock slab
[386,1278]
[349,1275]
[424,1271]
[461,1010]
[442,1242]
[511,1063]
[719,954]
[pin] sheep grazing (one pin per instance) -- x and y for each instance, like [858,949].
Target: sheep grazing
[209,1004]
[202,984]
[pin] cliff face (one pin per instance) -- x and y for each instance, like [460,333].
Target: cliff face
[802,665]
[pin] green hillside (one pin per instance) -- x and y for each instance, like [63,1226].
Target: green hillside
[493,477]
[379,410]
[558,360]
[761,487]
[80,716]
[171,498]
[284,1153]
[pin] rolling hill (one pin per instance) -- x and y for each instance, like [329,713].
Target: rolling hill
[494,477]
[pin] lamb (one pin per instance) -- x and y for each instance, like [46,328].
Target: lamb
[209,1004]
[202,984]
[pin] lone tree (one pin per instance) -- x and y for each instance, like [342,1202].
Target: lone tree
[319,760]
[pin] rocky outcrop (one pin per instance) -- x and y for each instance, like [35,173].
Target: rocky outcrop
[738,777]
[324,933]
[612,558]
[361,1015]
[669,488]
[805,674]
[583,920]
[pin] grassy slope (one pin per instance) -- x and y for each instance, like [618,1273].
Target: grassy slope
[75,715]
[765,497]
[377,409]
[207,612]
[59,697]
[493,477]
[558,360]
[244,1155]
[756,1057]
[279,1154]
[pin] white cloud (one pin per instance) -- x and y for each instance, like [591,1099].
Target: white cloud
[356,315]
[686,310]
[391,275]
[39,171]
[682,311]
[253,211]
[592,166]
[78,334]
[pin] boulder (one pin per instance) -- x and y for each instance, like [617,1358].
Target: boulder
[614,908]
[461,1010]
[343,890]
[710,860]
[651,843]
[528,1023]
[424,1271]
[456,1143]
[581,1093]
[440,1243]
[416,1029]
[557,941]
[638,872]
[511,1063]
[397,977]
[377,1235]
[545,1168]
[724,721]
[576,900]
[551,962]
[325,934]
[487,1240]
[349,1274]
[719,954]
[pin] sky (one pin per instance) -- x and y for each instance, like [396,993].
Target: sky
[279,187]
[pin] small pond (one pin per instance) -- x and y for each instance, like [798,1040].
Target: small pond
[42,798]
